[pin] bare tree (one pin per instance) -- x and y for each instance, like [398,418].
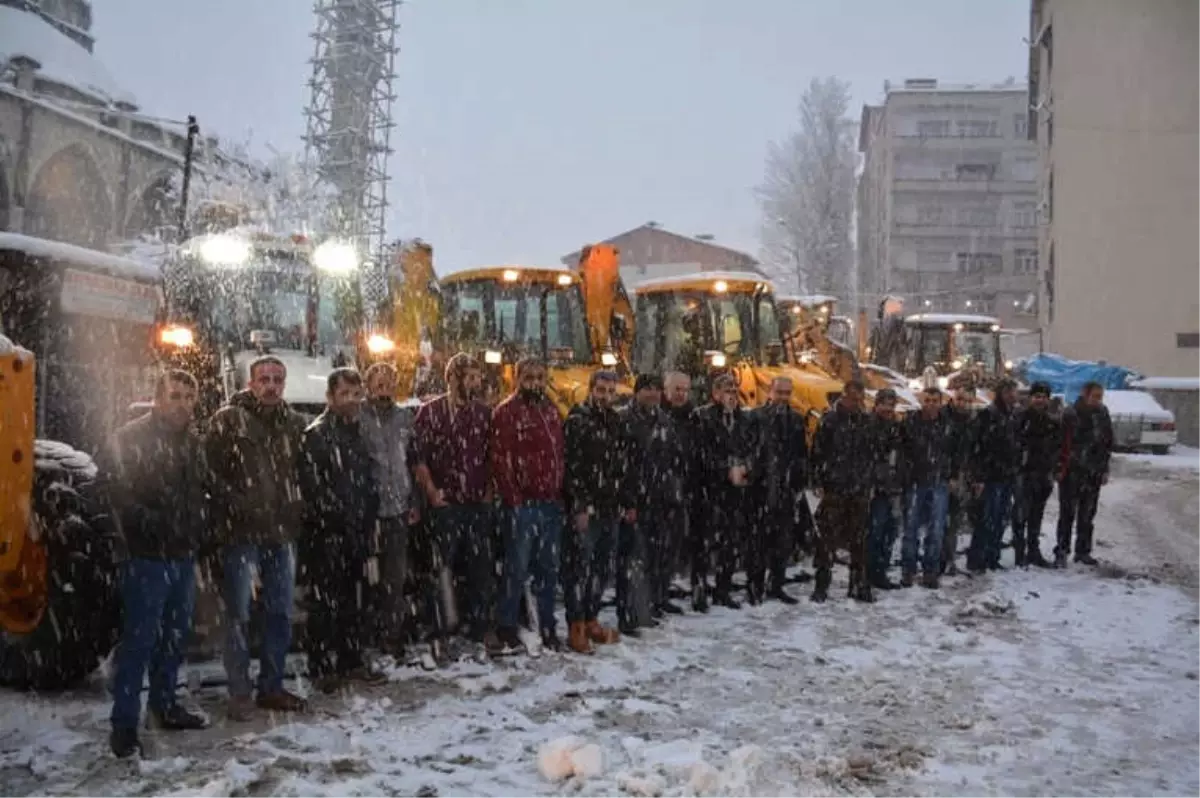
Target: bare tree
[807,195]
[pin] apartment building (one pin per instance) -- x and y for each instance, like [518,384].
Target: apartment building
[1114,85]
[947,200]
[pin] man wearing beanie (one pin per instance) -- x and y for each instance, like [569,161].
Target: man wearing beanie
[1039,435]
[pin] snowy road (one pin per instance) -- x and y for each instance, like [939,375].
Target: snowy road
[1083,682]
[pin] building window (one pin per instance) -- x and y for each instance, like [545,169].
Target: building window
[976,217]
[1187,340]
[980,263]
[929,215]
[1024,215]
[1021,125]
[933,128]
[974,171]
[1026,261]
[977,129]
[1025,169]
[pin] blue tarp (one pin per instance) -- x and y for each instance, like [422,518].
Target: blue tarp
[1066,377]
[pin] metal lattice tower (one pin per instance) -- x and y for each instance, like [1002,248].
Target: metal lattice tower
[349,122]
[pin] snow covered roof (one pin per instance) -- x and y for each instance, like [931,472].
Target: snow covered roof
[666,283]
[1167,384]
[952,318]
[80,256]
[9,347]
[62,59]
[808,301]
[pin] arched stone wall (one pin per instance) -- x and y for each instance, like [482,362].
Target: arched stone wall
[68,200]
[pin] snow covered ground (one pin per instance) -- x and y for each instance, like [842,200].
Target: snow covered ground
[1042,682]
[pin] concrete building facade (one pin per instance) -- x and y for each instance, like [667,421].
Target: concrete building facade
[1114,85]
[947,198]
[649,253]
[78,162]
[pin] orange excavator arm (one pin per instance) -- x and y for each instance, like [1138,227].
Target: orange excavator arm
[605,299]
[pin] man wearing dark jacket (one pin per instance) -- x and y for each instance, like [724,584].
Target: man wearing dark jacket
[652,498]
[342,507]
[729,465]
[254,454]
[527,465]
[888,477]
[1087,443]
[963,504]
[155,476]
[932,459]
[594,469]
[995,459]
[781,492]
[843,457]
[1040,437]
[677,392]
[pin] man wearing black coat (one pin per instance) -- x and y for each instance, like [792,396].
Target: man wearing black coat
[677,392]
[963,504]
[1087,444]
[155,475]
[993,465]
[729,465]
[1040,436]
[843,456]
[932,459]
[342,505]
[888,477]
[780,491]
[595,466]
[653,499]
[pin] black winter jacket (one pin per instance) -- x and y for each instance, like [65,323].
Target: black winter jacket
[961,428]
[685,430]
[342,500]
[995,451]
[843,453]
[1040,437]
[722,440]
[784,456]
[889,452]
[1087,441]
[933,453]
[595,460]
[156,483]
[653,476]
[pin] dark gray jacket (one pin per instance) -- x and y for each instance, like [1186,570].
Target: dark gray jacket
[388,433]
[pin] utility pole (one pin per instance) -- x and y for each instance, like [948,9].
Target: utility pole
[189,153]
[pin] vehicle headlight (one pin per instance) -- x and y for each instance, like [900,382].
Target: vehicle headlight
[717,359]
[380,344]
[608,359]
[225,250]
[335,257]
[957,364]
[1008,364]
[944,383]
[177,336]
[493,357]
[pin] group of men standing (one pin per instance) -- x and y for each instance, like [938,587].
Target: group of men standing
[437,517]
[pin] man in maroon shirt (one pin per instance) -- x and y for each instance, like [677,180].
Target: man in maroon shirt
[527,466]
[452,434]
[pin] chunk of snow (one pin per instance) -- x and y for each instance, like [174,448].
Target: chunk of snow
[588,761]
[80,256]
[704,778]
[641,784]
[554,758]
[62,59]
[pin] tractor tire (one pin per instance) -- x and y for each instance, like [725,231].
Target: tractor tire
[82,613]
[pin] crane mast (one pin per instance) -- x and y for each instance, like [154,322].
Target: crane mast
[348,127]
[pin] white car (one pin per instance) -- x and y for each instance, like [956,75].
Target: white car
[1140,422]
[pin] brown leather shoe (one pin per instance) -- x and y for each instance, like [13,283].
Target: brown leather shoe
[282,701]
[602,634]
[240,708]
[578,640]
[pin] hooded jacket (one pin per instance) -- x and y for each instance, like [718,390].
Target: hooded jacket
[595,462]
[254,457]
[156,482]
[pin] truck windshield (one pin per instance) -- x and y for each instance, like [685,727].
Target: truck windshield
[941,346]
[536,319]
[675,329]
[977,347]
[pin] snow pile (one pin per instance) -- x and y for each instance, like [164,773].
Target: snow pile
[565,757]
[62,59]
[117,266]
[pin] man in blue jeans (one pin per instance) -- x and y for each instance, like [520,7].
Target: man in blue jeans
[888,478]
[527,465]
[993,465]
[155,476]
[254,449]
[930,440]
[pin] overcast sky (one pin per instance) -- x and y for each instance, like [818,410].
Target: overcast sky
[526,128]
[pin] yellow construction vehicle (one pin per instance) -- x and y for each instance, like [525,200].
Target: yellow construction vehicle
[88,317]
[503,313]
[708,322]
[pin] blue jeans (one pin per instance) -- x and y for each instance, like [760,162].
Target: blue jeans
[885,521]
[996,504]
[532,535]
[928,506]
[277,571]
[157,597]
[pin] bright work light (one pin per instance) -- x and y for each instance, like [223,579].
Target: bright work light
[335,257]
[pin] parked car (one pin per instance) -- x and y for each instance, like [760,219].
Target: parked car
[1140,422]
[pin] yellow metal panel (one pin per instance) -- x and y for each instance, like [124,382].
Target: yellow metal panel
[17,422]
